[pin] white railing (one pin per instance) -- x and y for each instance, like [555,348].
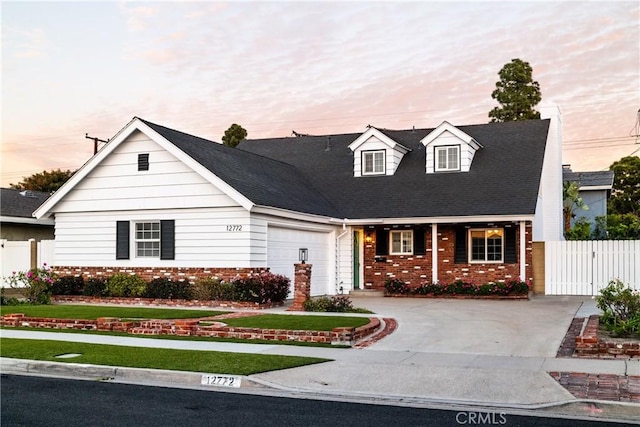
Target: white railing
[584,267]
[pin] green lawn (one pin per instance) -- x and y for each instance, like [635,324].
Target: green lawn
[142,357]
[92,312]
[297,322]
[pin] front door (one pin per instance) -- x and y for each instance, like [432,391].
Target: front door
[356,260]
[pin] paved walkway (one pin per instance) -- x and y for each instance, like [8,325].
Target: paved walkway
[514,374]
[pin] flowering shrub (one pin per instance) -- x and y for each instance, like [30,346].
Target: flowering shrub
[34,284]
[513,287]
[621,309]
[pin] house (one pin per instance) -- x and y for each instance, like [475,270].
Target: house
[594,190]
[16,220]
[420,205]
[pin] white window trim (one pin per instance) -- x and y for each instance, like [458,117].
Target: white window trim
[470,246]
[136,240]
[446,150]
[373,153]
[391,252]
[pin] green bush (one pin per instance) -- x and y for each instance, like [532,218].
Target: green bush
[334,304]
[621,309]
[125,285]
[396,286]
[459,287]
[94,287]
[263,288]
[68,285]
[211,289]
[164,287]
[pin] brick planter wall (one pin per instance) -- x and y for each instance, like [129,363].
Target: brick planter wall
[590,345]
[192,327]
[150,273]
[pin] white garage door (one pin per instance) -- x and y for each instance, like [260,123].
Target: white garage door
[282,252]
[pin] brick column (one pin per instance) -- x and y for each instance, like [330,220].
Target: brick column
[301,286]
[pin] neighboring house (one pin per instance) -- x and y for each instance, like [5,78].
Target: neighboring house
[594,189]
[16,216]
[421,205]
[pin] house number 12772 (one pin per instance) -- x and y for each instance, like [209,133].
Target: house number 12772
[234,228]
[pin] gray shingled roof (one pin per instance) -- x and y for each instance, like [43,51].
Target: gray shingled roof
[504,178]
[314,174]
[589,179]
[20,204]
[262,180]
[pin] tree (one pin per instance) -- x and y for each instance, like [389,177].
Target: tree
[516,92]
[625,195]
[46,181]
[570,201]
[234,135]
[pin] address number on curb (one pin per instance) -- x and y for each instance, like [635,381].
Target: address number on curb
[220,380]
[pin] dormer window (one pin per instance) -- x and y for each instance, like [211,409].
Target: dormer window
[373,162]
[447,158]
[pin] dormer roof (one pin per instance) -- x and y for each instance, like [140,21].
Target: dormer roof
[381,136]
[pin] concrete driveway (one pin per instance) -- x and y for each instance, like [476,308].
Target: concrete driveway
[533,328]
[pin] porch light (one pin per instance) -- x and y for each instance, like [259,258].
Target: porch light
[303,255]
[368,238]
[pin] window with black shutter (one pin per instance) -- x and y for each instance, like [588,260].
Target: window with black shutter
[167,239]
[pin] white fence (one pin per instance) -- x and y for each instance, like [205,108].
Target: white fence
[584,267]
[17,256]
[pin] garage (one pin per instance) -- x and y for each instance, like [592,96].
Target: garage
[283,245]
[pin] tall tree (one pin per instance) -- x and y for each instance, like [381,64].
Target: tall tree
[47,181]
[625,195]
[517,93]
[234,135]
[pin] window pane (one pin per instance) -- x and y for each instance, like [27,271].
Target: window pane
[494,245]
[395,242]
[442,158]
[477,246]
[148,239]
[452,154]
[368,162]
[379,162]
[407,241]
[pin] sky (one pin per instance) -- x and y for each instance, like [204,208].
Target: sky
[76,68]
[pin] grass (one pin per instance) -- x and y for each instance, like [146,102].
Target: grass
[154,358]
[92,312]
[297,322]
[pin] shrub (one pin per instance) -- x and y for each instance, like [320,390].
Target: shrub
[68,285]
[334,304]
[211,289]
[125,285]
[621,309]
[34,284]
[94,287]
[263,288]
[395,286]
[164,287]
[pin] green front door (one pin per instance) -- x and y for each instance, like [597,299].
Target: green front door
[356,260]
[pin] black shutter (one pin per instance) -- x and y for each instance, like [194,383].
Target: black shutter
[122,239]
[167,239]
[461,246]
[382,242]
[419,242]
[510,248]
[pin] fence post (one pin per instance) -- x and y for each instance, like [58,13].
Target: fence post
[33,253]
[538,268]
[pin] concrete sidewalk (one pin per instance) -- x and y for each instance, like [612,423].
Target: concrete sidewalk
[397,368]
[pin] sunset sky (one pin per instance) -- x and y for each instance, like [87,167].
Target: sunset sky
[71,68]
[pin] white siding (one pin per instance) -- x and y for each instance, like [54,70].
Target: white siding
[201,238]
[116,184]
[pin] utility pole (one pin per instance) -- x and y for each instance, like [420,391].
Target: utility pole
[95,142]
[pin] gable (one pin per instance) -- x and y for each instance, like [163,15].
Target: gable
[118,184]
